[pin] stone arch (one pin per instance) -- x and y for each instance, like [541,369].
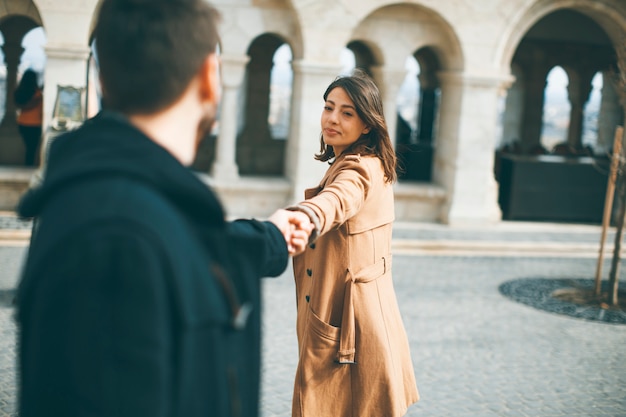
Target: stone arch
[258,153]
[240,27]
[581,37]
[366,55]
[608,15]
[398,31]
[582,50]
[23,8]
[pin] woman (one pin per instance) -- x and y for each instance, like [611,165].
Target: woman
[29,101]
[354,354]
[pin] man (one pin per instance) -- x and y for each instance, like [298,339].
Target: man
[137,297]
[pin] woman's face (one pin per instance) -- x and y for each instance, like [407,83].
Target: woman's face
[341,125]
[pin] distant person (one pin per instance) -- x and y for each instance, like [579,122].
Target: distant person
[28,98]
[354,357]
[138,298]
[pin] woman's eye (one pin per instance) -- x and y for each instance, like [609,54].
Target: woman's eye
[348,114]
[328,108]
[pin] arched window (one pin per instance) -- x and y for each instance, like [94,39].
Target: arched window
[348,61]
[363,56]
[33,56]
[408,103]
[592,111]
[556,109]
[258,153]
[281,80]
[418,110]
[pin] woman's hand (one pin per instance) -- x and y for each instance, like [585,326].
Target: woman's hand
[296,228]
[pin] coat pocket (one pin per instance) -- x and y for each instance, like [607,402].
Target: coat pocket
[318,356]
[322,385]
[324,335]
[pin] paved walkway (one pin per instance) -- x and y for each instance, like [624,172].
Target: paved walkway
[476,353]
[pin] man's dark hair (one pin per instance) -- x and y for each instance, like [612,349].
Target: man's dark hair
[149,50]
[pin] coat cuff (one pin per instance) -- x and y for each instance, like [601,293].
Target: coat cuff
[312,216]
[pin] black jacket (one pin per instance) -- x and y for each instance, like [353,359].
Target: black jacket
[137,297]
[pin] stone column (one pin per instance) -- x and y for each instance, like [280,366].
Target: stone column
[389,81]
[12,50]
[310,80]
[464,153]
[224,168]
[532,111]
[514,104]
[578,91]
[610,116]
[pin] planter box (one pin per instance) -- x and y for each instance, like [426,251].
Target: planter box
[553,188]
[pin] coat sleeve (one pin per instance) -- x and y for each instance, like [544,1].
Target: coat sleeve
[343,196]
[96,335]
[261,241]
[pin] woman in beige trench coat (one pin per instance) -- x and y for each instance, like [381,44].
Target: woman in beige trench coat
[354,354]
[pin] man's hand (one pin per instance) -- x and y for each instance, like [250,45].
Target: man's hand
[295,226]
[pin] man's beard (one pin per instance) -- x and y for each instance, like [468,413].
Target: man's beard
[204,129]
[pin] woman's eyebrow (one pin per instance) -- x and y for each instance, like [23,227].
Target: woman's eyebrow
[343,105]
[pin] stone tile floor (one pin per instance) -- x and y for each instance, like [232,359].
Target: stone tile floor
[476,351]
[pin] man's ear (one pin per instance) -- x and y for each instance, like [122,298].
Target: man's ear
[210,86]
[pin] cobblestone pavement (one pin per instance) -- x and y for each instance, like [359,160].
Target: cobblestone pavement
[10,263]
[476,353]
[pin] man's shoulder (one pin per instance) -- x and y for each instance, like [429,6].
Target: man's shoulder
[123,204]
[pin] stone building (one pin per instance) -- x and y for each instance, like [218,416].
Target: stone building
[483,67]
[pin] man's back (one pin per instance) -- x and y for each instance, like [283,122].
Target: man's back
[133,298]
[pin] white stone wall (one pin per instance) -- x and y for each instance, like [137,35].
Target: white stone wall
[474,40]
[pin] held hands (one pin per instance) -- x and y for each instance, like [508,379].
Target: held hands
[295,226]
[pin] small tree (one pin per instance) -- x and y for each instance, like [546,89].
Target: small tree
[619,80]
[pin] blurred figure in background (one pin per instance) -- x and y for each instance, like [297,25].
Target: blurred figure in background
[29,101]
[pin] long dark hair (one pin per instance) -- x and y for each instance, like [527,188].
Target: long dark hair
[27,88]
[369,106]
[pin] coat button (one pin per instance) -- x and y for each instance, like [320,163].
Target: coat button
[307,298]
[309,272]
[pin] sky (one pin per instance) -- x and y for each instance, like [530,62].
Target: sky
[34,56]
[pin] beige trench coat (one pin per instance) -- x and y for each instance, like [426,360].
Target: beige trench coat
[354,354]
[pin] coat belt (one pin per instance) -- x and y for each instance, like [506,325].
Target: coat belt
[347,340]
